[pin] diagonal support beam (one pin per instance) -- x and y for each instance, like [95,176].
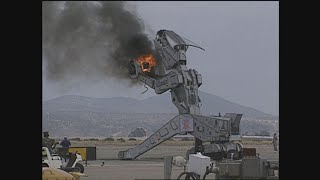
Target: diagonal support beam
[181,124]
[205,129]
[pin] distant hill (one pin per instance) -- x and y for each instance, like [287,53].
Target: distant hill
[211,105]
[78,116]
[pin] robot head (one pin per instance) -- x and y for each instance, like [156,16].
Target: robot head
[172,48]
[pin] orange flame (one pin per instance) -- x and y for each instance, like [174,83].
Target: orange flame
[146,62]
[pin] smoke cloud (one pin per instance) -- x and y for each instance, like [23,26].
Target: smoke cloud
[90,39]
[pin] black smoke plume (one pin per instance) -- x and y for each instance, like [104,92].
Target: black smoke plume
[91,39]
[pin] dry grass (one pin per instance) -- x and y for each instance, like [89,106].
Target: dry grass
[255,142]
[109,149]
[166,143]
[127,143]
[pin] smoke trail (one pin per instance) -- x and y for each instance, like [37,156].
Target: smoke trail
[91,38]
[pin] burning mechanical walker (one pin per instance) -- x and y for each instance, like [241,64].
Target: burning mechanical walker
[214,136]
[170,72]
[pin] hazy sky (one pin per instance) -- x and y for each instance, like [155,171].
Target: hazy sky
[241,61]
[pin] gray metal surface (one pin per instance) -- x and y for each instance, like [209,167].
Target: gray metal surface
[229,169]
[235,125]
[252,168]
[209,129]
[181,124]
[247,168]
[167,167]
[204,128]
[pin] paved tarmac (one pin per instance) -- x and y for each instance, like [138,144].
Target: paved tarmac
[145,168]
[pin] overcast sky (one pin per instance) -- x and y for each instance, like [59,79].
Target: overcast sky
[241,61]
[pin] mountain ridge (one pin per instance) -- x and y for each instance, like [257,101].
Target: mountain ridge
[211,105]
[81,116]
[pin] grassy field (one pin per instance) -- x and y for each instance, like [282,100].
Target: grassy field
[110,149]
[170,142]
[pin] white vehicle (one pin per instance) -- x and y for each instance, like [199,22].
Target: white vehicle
[68,164]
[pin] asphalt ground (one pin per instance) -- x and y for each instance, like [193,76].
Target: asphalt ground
[146,168]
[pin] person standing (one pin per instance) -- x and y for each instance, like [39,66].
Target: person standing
[275,142]
[65,143]
[48,142]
